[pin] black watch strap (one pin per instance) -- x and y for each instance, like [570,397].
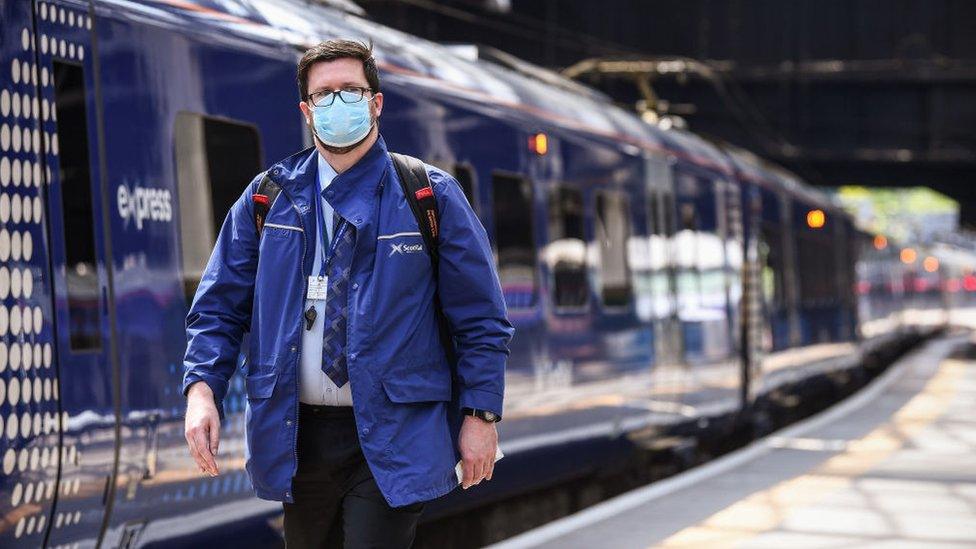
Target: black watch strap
[486,415]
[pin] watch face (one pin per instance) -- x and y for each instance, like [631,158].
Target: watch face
[490,416]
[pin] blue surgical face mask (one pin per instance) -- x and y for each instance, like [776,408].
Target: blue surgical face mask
[342,124]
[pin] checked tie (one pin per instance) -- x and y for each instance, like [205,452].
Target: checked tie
[334,335]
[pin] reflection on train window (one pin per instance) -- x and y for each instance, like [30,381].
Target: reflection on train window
[215,160]
[659,283]
[771,260]
[464,173]
[689,219]
[512,198]
[566,251]
[81,272]
[686,252]
[613,232]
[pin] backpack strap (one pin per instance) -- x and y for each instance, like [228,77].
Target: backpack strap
[420,195]
[264,196]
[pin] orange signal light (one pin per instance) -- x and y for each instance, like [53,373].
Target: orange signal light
[930,264]
[880,242]
[908,256]
[539,144]
[816,219]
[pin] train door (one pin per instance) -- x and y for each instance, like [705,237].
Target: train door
[661,231]
[30,412]
[753,317]
[81,285]
[731,229]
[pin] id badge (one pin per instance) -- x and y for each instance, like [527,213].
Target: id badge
[317,286]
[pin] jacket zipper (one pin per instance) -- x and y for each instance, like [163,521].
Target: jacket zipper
[294,442]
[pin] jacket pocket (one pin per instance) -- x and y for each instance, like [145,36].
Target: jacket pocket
[260,385]
[418,379]
[277,230]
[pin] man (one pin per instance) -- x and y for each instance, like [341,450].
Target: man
[355,416]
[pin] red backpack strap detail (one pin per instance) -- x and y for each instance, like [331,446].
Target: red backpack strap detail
[263,197]
[426,192]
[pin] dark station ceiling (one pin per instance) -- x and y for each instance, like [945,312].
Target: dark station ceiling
[863,92]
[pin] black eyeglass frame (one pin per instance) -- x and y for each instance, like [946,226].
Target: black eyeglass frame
[325,93]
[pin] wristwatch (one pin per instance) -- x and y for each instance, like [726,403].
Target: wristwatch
[486,415]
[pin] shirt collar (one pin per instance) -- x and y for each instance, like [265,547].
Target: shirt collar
[326,172]
[353,191]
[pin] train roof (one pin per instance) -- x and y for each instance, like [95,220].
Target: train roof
[691,146]
[728,158]
[494,79]
[405,58]
[752,167]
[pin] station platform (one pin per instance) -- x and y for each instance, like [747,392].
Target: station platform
[892,466]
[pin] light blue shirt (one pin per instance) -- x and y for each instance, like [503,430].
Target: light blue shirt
[326,174]
[314,387]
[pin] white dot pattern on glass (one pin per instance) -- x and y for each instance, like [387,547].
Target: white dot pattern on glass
[28,386]
[28,130]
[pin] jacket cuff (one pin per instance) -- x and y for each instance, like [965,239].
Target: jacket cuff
[482,400]
[217,386]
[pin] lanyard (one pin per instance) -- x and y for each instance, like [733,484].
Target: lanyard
[323,235]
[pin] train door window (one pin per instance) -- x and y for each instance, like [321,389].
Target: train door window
[613,230]
[815,263]
[686,252]
[657,249]
[464,173]
[215,159]
[77,208]
[771,262]
[565,254]
[658,187]
[512,198]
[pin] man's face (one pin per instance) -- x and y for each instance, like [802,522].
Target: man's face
[334,75]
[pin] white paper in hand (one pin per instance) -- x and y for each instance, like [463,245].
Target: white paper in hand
[460,472]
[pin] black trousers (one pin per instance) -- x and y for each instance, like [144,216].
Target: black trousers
[337,503]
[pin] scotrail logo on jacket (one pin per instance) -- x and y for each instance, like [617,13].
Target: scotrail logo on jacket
[406,394]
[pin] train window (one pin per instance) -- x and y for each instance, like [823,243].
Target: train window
[565,253]
[816,262]
[512,197]
[84,319]
[613,230]
[661,231]
[215,159]
[464,173]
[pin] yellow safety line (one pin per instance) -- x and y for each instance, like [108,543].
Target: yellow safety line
[765,510]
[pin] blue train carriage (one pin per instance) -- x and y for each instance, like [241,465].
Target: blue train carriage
[926,270]
[956,263]
[910,285]
[700,353]
[43,433]
[880,286]
[95,295]
[128,129]
[800,279]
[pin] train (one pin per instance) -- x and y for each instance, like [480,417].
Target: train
[664,288]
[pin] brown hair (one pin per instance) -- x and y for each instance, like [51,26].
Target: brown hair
[338,49]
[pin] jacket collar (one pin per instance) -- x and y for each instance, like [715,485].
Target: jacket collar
[351,192]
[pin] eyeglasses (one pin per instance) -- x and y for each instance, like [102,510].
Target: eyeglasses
[349,94]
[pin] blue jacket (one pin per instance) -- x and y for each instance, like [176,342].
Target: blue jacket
[406,394]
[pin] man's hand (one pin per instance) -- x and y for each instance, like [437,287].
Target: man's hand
[202,428]
[478,443]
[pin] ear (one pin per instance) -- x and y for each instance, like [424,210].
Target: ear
[378,103]
[306,112]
